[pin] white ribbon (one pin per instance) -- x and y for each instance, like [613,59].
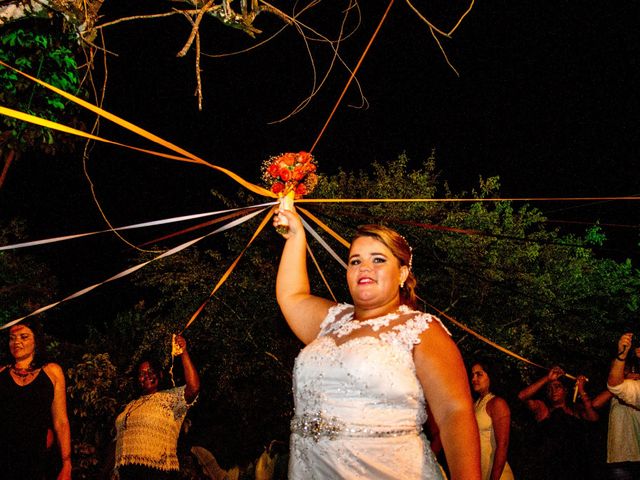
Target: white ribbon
[124,273]
[323,243]
[129,227]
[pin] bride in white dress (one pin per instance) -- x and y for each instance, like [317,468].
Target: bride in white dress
[362,382]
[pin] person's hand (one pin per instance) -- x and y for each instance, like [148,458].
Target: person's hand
[555,373]
[624,345]
[295,224]
[580,381]
[181,343]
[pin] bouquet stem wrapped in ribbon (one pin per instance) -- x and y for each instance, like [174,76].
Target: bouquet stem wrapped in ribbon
[291,176]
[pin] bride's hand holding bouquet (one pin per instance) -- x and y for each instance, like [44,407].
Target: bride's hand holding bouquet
[290,176]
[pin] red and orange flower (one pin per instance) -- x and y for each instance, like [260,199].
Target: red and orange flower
[290,172]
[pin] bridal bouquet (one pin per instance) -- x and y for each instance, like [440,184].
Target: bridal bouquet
[289,175]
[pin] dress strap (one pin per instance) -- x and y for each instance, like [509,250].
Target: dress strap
[408,333]
[481,403]
[336,316]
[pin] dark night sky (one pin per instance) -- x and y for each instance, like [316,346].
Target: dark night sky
[547,99]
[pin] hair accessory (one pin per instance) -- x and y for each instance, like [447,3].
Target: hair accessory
[410,253]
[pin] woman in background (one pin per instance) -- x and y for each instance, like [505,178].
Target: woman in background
[494,423]
[148,428]
[560,444]
[32,400]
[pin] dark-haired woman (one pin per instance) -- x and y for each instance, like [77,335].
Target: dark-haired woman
[362,382]
[148,428]
[32,400]
[560,447]
[494,422]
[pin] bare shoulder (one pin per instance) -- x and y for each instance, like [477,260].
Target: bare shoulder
[433,337]
[305,316]
[539,409]
[498,406]
[54,372]
[436,352]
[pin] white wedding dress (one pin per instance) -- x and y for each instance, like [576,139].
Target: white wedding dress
[359,407]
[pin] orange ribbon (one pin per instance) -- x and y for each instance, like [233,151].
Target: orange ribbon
[186,156]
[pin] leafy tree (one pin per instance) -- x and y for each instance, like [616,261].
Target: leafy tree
[43,52]
[494,266]
[25,283]
[93,391]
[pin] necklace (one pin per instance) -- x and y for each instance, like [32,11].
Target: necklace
[23,374]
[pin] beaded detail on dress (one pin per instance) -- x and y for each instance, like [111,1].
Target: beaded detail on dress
[316,426]
[359,404]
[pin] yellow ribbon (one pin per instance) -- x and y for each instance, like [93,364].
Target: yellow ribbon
[230,269]
[125,124]
[489,342]
[464,200]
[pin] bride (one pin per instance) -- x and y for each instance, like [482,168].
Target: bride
[362,383]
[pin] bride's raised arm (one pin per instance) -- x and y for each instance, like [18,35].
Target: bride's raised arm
[304,312]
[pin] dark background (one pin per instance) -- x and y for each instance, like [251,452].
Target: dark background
[546,99]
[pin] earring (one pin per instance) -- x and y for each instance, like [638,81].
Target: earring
[401,285]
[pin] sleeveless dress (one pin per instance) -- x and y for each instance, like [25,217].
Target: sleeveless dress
[488,439]
[560,448]
[148,428]
[25,417]
[359,406]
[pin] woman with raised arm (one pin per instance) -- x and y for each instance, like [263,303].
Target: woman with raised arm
[148,428]
[560,448]
[627,390]
[362,382]
[33,400]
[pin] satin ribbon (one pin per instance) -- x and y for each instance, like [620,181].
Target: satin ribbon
[186,156]
[130,227]
[230,269]
[134,268]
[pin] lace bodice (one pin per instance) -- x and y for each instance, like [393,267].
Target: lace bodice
[368,380]
[362,386]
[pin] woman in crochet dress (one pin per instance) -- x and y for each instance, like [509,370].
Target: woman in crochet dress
[148,428]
